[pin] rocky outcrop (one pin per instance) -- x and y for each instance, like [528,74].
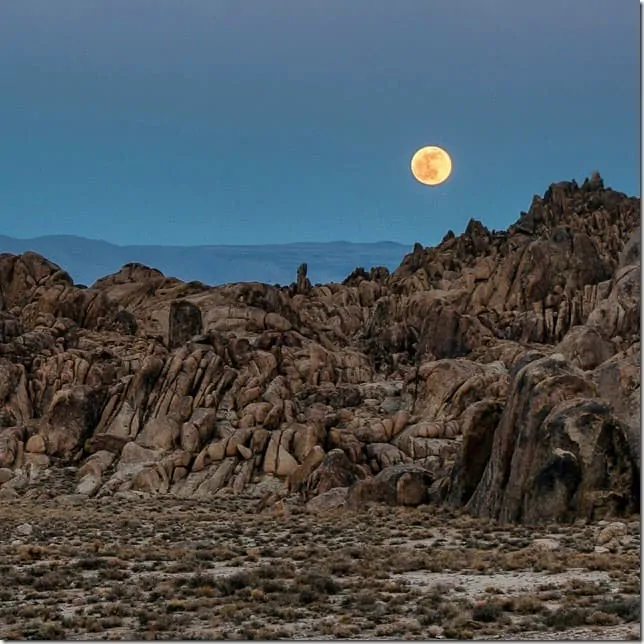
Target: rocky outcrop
[497,371]
[558,451]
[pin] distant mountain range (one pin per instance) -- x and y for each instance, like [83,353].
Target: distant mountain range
[86,260]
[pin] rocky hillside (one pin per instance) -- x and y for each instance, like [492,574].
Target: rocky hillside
[499,371]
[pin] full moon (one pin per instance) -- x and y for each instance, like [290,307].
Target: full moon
[431,165]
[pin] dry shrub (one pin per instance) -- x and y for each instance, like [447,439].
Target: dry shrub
[487,611]
[628,608]
[564,618]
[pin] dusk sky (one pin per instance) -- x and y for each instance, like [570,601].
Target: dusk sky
[273,121]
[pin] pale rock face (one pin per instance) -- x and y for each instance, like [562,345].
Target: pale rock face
[584,347]
[495,371]
[162,432]
[545,544]
[615,531]
[36,445]
[331,500]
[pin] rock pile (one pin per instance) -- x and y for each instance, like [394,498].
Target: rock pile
[497,371]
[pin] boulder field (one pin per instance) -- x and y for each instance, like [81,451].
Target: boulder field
[498,371]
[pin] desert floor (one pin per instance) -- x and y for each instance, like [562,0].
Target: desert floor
[166,568]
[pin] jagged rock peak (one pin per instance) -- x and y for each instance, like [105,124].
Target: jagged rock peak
[475,227]
[595,182]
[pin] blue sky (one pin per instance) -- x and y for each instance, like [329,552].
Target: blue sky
[250,121]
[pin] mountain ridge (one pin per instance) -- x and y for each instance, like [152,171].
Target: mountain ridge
[87,260]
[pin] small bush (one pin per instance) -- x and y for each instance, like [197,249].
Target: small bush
[92,563]
[49,631]
[487,612]
[628,608]
[174,606]
[228,586]
[324,584]
[307,596]
[599,618]
[114,574]
[273,586]
[197,581]
[111,622]
[526,605]
[50,581]
[564,618]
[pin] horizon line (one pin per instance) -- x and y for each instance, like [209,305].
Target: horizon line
[298,243]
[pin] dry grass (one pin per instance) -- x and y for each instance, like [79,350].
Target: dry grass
[171,569]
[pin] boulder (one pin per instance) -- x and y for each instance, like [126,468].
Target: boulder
[36,444]
[336,470]
[395,485]
[585,348]
[333,499]
[558,453]
[72,415]
[160,433]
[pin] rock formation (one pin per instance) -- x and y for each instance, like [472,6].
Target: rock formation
[497,371]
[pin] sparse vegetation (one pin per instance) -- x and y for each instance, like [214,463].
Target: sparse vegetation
[181,570]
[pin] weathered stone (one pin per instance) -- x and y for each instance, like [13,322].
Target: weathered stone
[478,423]
[179,474]
[24,529]
[190,437]
[218,477]
[105,442]
[300,474]
[245,452]
[615,530]
[72,415]
[545,544]
[399,484]
[89,485]
[286,464]
[333,499]
[336,470]
[161,433]
[239,437]
[35,445]
[305,437]
[259,440]
[38,460]
[271,454]
[5,475]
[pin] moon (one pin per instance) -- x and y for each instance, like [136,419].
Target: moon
[431,165]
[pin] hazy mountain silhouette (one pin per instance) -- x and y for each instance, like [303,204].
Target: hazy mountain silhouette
[86,260]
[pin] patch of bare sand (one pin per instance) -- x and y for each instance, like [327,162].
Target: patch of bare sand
[620,632]
[473,585]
